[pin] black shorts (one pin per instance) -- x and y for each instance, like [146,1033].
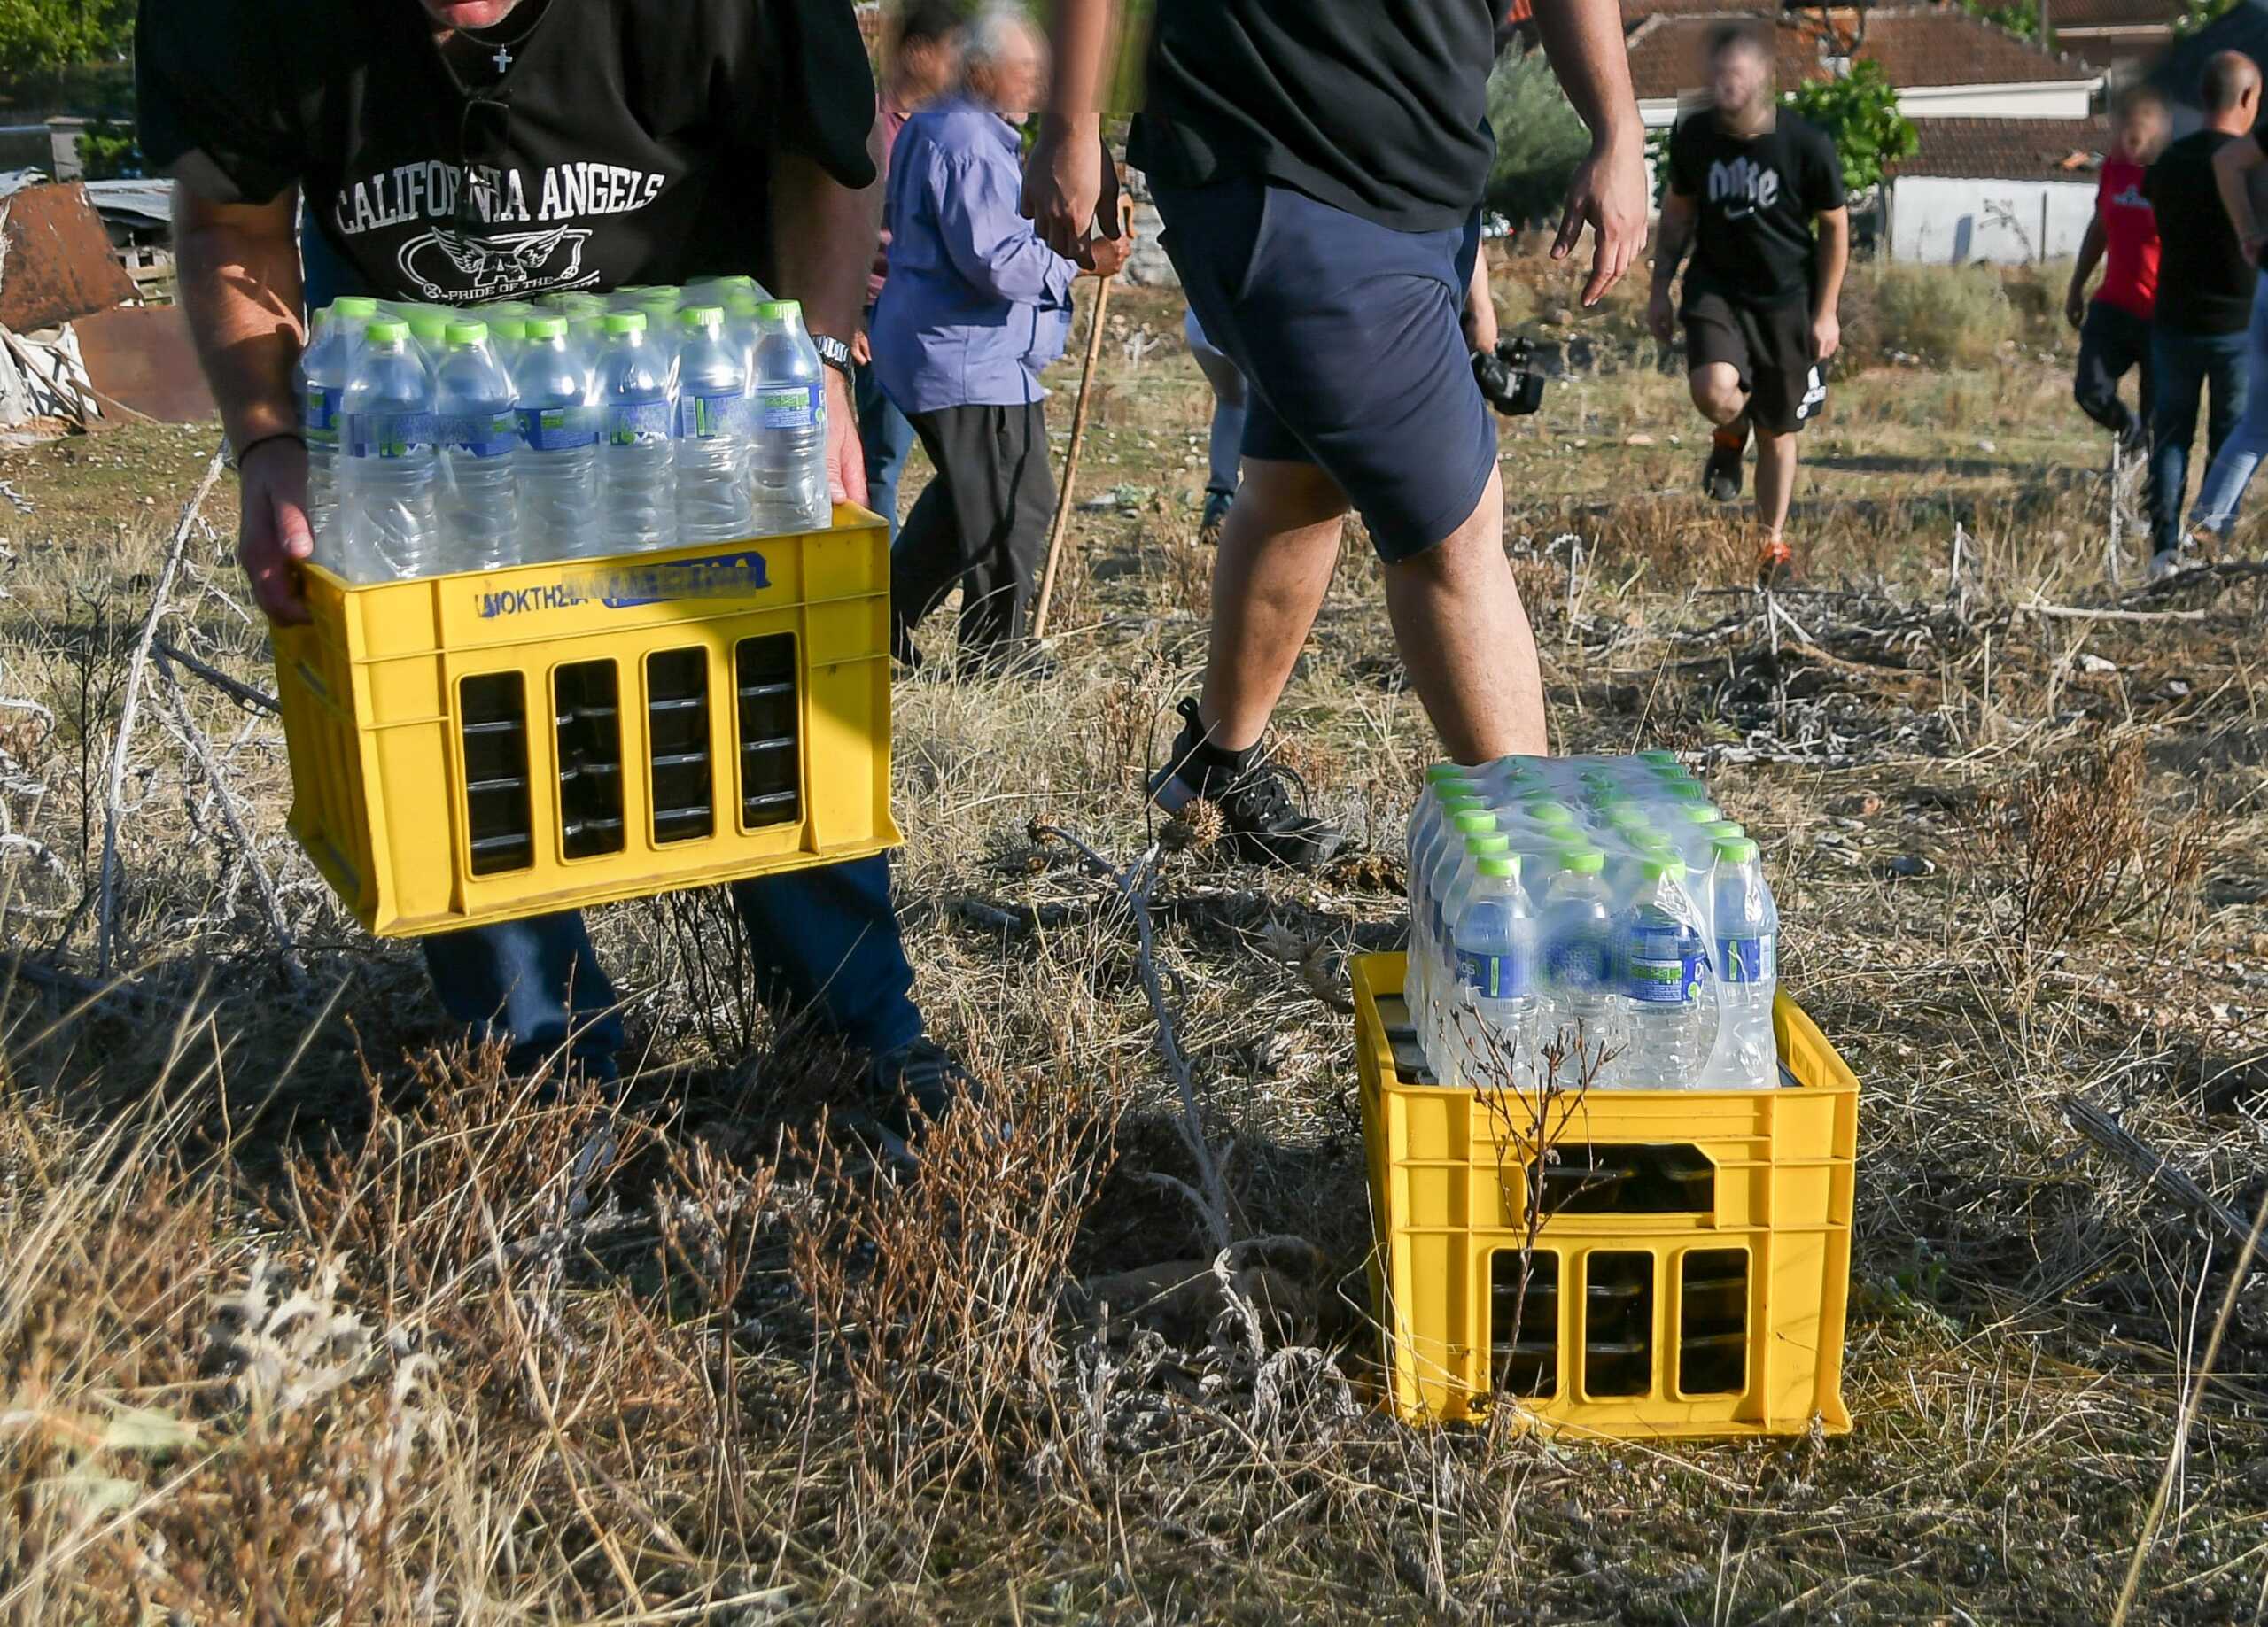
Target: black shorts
[1770,346]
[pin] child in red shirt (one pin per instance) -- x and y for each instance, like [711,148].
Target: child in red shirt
[2115,329]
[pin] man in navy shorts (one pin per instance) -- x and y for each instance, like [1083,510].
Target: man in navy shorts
[1319,171]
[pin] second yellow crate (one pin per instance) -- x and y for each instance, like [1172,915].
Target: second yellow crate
[1685,1274]
[481,746]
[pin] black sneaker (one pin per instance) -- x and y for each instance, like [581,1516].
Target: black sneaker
[1720,475]
[916,1086]
[1263,824]
[1215,515]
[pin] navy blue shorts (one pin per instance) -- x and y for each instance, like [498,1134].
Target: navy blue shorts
[1348,334]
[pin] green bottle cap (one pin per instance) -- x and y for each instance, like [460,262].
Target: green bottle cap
[619,322]
[1582,861]
[387,331]
[465,335]
[1507,867]
[1473,820]
[1488,841]
[1548,810]
[1687,790]
[703,316]
[428,323]
[1736,850]
[512,328]
[779,310]
[1438,773]
[354,307]
[1717,830]
[1663,870]
[1658,758]
[1454,801]
[1696,813]
[544,328]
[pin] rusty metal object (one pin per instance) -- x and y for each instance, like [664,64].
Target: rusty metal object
[56,261]
[141,355]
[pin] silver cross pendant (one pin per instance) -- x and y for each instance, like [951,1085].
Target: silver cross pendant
[503,59]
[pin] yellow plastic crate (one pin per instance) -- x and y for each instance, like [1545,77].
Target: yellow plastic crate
[1689,1274]
[495,744]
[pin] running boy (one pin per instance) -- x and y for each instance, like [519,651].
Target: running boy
[2122,238]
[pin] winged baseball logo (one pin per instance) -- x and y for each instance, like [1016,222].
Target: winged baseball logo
[445,263]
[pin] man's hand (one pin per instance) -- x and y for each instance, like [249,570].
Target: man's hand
[2075,305]
[1107,256]
[1608,195]
[846,457]
[1062,185]
[862,348]
[1661,316]
[1826,335]
[274,536]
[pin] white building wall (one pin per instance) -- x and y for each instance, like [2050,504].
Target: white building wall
[1941,221]
[2068,99]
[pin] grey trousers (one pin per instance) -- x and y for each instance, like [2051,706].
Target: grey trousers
[981,524]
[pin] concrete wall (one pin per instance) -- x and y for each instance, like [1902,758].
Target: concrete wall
[1940,222]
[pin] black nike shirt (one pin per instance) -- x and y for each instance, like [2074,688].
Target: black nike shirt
[1753,237]
[621,140]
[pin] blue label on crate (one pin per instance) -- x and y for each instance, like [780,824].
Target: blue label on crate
[559,428]
[319,415]
[479,435]
[802,408]
[634,582]
[637,423]
[389,435]
[707,416]
[1746,960]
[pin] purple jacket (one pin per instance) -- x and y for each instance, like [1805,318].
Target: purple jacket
[976,304]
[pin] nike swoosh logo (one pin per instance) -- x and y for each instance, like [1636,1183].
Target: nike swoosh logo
[1740,213]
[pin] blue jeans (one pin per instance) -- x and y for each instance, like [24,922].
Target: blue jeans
[825,941]
[885,434]
[2182,367]
[2240,453]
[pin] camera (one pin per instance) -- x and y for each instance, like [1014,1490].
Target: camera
[1513,387]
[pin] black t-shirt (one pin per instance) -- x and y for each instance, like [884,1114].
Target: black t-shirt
[1378,107]
[2204,281]
[615,141]
[1752,238]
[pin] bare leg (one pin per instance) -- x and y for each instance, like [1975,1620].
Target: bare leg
[1278,548]
[1776,482]
[1465,637]
[1717,392]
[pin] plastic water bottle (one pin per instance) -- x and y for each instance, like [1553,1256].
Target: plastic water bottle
[712,488]
[429,326]
[1431,929]
[1444,994]
[1746,923]
[478,432]
[320,376]
[1669,997]
[1494,934]
[637,483]
[387,477]
[557,463]
[1577,933]
[788,458]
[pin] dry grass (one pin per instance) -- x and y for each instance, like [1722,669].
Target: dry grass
[307,1312]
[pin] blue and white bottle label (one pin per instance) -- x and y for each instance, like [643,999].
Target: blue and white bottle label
[637,423]
[559,428]
[802,407]
[389,435]
[712,414]
[319,415]
[1746,960]
[1491,976]
[1659,969]
[479,435]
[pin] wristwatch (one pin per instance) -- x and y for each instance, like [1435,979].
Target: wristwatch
[832,351]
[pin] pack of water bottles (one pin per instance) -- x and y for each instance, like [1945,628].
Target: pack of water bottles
[1587,923]
[579,427]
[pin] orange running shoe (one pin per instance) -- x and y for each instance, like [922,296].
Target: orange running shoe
[1776,566]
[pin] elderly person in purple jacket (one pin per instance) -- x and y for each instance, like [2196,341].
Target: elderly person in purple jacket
[975,307]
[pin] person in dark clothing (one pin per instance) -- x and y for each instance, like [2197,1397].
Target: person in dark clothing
[2122,239]
[2204,300]
[1319,169]
[1748,182]
[468,151]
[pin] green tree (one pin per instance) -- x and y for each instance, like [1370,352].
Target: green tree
[1540,138]
[1860,111]
[2196,14]
[2020,18]
[37,35]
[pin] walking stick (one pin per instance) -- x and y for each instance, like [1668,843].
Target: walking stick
[1071,453]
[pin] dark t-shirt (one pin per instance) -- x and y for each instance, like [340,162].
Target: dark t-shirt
[1378,107]
[623,141]
[1752,238]
[2204,281]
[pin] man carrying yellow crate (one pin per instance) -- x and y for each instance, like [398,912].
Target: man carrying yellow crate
[463,152]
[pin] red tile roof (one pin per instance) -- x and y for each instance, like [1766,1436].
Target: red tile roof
[2113,13]
[2008,149]
[1915,45]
